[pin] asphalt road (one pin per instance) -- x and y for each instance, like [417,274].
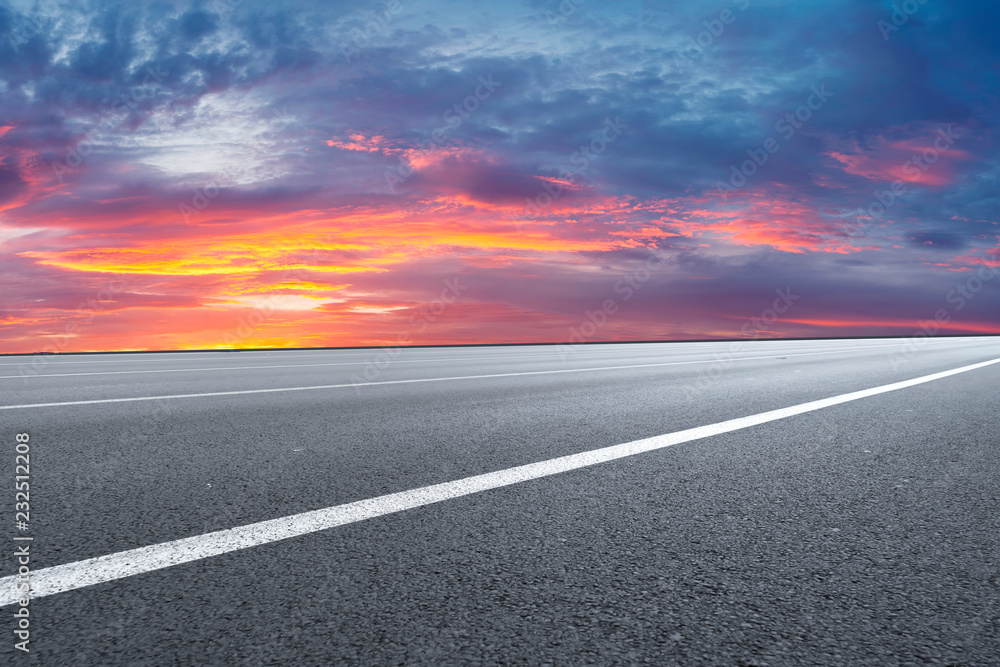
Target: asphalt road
[865,533]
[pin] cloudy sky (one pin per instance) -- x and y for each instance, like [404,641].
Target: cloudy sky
[308,173]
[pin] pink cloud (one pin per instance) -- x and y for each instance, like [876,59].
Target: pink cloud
[928,158]
[765,218]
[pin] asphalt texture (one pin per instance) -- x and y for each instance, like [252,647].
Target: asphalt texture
[867,533]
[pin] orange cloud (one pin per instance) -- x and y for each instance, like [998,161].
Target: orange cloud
[957,327]
[205,256]
[358,142]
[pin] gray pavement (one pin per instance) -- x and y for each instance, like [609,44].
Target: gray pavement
[865,533]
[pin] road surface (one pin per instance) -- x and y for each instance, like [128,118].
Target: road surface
[475,505]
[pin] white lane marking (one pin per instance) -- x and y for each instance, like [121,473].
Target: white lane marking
[59,359]
[338,363]
[62,578]
[195,355]
[241,392]
[246,368]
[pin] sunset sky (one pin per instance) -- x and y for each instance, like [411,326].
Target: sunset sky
[306,173]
